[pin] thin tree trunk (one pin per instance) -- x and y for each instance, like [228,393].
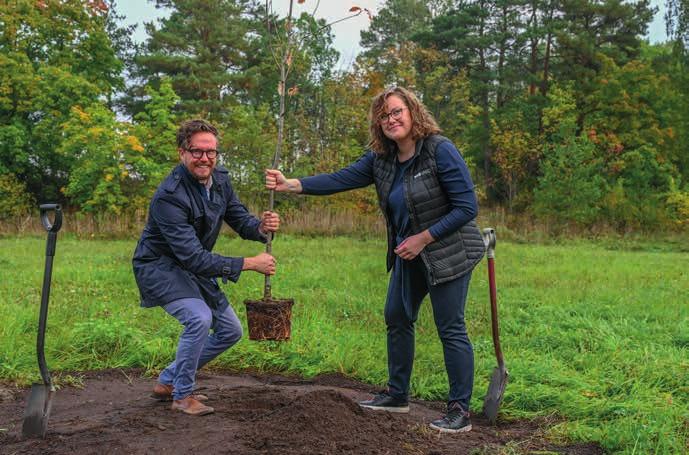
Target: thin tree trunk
[546,58]
[485,112]
[485,120]
[500,96]
[282,90]
[533,70]
[546,64]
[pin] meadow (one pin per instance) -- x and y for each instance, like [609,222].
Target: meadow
[596,337]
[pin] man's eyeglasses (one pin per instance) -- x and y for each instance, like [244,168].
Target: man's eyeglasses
[198,153]
[396,114]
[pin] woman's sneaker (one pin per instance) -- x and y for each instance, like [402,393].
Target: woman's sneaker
[456,420]
[383,401]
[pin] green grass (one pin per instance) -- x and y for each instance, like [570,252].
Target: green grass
[596,337]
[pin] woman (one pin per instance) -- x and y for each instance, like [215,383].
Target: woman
[427,197]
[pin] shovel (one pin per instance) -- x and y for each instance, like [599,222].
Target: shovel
[40,401]
[498,381]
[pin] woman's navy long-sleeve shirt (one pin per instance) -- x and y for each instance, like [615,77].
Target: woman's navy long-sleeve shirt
[453,176]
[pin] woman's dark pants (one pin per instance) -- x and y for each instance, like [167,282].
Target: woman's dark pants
[409,284]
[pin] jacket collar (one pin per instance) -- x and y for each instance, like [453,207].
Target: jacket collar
[189,178]
[180,172]
[391,157]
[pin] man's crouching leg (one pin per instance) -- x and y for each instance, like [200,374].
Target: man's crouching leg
[197,318]
[227,331]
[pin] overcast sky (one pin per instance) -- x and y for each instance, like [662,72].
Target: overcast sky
[346,33]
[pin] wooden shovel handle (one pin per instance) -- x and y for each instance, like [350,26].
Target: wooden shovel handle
[490,241]
[494,312]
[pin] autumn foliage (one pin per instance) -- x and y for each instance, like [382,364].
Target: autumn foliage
[562,110]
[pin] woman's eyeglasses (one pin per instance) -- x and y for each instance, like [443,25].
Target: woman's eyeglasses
[395,114]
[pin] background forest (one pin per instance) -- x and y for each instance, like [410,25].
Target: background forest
[564,113]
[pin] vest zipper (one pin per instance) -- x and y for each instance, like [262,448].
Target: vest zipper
[414,219]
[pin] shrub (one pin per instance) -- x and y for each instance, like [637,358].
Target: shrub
[571,188]
[15,201]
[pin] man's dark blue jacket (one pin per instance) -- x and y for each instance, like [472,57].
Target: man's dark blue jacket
[173,258]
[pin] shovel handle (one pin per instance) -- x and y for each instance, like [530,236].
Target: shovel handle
[52,228]
[56,224]
[490,240]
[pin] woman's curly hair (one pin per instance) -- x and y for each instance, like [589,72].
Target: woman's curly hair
[423,123]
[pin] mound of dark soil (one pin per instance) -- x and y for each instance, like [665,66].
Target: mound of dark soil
[112,413]
[317,421]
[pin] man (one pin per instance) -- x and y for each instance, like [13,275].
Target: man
[174,267]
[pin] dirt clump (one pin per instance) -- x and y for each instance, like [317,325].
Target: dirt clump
[317,421]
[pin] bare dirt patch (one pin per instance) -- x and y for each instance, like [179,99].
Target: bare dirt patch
[112,413]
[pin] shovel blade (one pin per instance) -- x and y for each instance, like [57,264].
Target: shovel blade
[37,411]
[496,390]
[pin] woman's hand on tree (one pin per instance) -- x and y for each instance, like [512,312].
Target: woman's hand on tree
[276,181]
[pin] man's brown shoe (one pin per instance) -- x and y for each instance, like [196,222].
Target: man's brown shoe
[191,406]
[163,392]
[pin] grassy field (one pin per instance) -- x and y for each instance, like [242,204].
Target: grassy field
[594,337]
